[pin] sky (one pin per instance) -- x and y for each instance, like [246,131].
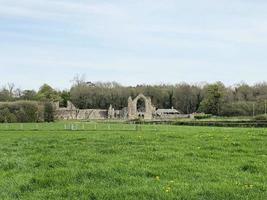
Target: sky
[132,41]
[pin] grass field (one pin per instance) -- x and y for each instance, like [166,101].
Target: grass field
[119,161]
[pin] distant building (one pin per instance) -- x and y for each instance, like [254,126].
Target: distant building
[90,84]
[167,113]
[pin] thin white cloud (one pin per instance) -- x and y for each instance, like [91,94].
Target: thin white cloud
[54,9]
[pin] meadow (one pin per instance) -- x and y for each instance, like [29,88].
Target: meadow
[127,161]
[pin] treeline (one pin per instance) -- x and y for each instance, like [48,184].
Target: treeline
[217,99]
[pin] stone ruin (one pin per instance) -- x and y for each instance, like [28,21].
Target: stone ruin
[71,112]
[66,113]
[134,111]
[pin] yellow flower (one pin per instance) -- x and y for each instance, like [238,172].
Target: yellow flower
[168,189]
[157,177]
[248,186]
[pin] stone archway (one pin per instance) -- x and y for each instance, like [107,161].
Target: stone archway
[141,107]
[133,112]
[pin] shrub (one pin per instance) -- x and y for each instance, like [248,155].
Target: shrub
[260,118]
[11,118]
[21,111]
[202,116]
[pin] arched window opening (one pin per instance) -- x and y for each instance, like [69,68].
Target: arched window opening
[141,105]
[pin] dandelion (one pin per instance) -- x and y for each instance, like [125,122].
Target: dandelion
[248,186]
[168,189]
[157,178]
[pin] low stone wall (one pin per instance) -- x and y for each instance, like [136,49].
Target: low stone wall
[92,114]
[66,114]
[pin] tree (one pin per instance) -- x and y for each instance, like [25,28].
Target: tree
[187,98]
[5,95]
[213,99]
[28,95]
[243,92]
[11,87]
[79,80]
[47,93]
[48,112]
[65,97]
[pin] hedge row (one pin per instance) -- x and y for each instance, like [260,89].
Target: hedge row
[24,111]
[240,123]
[223,123]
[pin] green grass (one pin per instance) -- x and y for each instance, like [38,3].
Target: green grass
[114,161]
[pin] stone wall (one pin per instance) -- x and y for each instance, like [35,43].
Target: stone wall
[71,112]
[92,114]
[65,114]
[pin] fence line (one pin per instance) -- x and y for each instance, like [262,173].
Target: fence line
[77,127]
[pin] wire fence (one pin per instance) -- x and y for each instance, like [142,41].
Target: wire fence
[107,126]
[80,126]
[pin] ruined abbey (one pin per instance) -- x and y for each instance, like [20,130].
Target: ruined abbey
[135,110]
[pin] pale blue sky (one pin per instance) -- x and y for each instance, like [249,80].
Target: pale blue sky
[132,41]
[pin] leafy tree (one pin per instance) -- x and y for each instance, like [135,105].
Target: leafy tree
[47,93]
[28,95]
[65,97]
[213,99]
[243,92]
[5,95]
[48,112]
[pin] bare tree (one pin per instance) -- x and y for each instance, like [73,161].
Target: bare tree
[79,80]
[11,87]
